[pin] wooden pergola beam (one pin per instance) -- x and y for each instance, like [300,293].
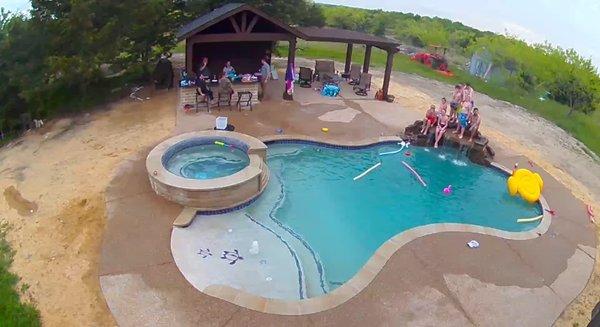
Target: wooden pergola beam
[240,37]
[244,21]
[252,23]
[189,54]
[389,65]
[348,58]
[235,25]
[367,61]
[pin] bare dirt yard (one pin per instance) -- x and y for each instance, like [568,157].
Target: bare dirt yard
[53,182]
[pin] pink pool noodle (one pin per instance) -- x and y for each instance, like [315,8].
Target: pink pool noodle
[415,173]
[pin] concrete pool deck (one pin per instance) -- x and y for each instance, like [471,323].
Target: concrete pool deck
[432,280]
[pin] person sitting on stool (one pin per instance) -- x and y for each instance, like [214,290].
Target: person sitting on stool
[204,90]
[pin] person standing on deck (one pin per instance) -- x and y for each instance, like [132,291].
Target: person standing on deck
[457,97]
[265,73]
[468,93]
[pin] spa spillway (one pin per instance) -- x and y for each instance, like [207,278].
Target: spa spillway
[209,170]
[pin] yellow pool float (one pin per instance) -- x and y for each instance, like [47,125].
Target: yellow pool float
[526,183]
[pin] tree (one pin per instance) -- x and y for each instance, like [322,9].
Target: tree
[294,12]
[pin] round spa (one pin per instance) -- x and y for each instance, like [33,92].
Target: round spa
[208,170]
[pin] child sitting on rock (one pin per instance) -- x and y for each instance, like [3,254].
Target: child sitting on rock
[430,119]
[474,124]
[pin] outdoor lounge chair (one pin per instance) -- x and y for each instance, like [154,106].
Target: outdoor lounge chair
[364,84]
[354,74]
[202,100]
[244,100]
[305,77]
[324,68]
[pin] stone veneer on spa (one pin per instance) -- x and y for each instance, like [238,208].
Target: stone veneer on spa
[370,270]
[209,194]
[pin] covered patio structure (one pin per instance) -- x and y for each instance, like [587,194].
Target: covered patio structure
[245,35]
[351,38]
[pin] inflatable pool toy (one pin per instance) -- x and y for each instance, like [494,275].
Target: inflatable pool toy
[527,184]
[367,171]
[407,153]
[220,143]
[402,146]
[528,220]
[414,172]
[325,129]
[447,190]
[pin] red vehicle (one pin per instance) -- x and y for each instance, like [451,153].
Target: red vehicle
[435,60]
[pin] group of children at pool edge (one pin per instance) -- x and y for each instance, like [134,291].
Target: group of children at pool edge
[462,110]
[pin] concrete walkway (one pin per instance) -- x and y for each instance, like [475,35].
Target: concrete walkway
[432,281]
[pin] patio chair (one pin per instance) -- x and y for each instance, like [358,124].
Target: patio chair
[364,84]
[202,100]
[324,68]
[354,74]
[244,100]
[305,77]
[224,99]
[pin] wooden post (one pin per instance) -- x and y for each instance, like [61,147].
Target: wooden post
[290,61]
[292,52]
[189,57]
[389,64]
[348,58]
[367,62]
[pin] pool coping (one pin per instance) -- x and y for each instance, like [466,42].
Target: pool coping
[215,194]
[377,261]
[157,171]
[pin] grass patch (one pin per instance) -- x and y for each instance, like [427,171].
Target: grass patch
[13,312]
[585,128]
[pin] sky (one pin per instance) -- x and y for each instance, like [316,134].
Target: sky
[569,24]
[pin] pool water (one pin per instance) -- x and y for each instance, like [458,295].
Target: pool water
[343,221]
[207,161]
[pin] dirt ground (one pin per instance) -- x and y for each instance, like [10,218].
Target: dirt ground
[53,182]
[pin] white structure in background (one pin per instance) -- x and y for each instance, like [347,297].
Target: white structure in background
[481,64]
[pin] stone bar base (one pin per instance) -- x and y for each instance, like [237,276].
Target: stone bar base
[187,95]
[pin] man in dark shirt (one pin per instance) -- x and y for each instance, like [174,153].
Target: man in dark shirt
[204,71]
[204,90]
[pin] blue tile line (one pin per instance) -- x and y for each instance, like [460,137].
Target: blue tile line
[301,289]
[314,255]
[328,145]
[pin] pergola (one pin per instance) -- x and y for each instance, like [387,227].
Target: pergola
[247,33]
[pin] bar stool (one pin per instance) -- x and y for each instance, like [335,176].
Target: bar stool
[244,100]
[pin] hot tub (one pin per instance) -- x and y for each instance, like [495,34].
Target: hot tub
[209,170]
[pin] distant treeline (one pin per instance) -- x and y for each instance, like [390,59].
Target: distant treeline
[568,77]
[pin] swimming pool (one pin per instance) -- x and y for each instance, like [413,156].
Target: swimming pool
[206,161]
[329,225]
[345,221]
